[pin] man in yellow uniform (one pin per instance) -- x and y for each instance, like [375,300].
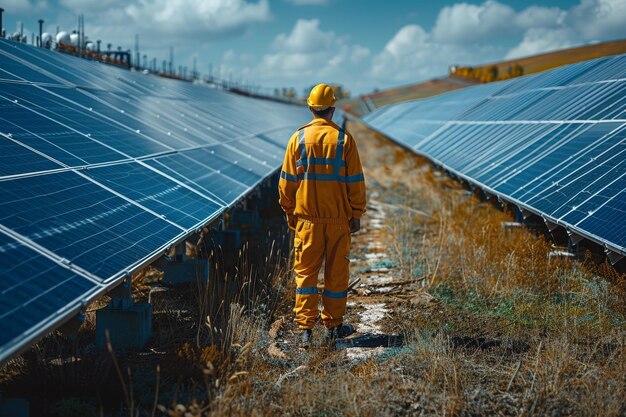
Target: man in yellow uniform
[322,191]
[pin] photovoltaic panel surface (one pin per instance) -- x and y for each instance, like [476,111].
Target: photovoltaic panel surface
[102,169]
[83,222]
[553,143]
[35,291]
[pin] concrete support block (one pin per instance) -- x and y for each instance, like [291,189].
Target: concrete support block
[519,215]
[246,218]
[14,407]
[511,225]
[229,240]
[186,272]
[268,200]
[129,324]
[274,179]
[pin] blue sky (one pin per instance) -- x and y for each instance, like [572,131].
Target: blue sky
[363,44]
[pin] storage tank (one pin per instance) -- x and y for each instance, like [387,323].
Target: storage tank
[46,40]
[74,39]
[63,38]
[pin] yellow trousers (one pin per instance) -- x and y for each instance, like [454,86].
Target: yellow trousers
[315,243]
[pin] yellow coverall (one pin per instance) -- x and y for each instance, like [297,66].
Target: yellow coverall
[322,185]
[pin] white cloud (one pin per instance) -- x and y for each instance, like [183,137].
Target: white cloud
[161,23]
[22,6]
[413,54]
[598,19]
[89,6]
[197,16]
[590,20]
[311,53]
[465,23]
[308,2]
[305,56]
[539,40]
[536,16]
[306,36]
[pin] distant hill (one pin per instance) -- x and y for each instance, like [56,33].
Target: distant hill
[364,104]
[542,62]
[532,64]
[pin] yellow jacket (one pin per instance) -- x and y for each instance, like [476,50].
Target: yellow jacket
[322,178]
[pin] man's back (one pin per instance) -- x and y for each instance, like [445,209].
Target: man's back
[322,176]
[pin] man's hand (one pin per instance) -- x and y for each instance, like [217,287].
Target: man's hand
[292,221]
[355,225]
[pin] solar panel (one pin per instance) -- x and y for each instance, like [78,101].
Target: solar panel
[552,143]
[102,169]
[98,230]
[35,293]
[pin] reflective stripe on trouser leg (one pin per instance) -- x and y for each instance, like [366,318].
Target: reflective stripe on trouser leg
[308,258]
[336,274]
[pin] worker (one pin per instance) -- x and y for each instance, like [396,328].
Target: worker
[322,191]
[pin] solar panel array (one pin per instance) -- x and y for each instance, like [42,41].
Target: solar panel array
[552,143]
[102,169]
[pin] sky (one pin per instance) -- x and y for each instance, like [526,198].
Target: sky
[361,44]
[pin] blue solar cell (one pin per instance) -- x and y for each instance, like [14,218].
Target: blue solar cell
[164,196]
[82,222]
[162,120]
[51,138]
[606,220]
[602,175]
[196,172]
[567,156]
[263,152]
[509,143]
[612,102]
[232,164]
[34,293]
[37,100]
[602,69]
[119,110]
[16,159]
[60,66]
[267,145]
[534,139]
[13,69]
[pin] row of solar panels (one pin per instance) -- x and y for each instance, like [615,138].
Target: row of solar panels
[552,143]
[102,169]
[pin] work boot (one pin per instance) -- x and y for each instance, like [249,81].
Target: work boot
[339,332]
[305,338]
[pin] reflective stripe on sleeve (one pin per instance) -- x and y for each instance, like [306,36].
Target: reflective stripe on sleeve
[288,177]
[355,178]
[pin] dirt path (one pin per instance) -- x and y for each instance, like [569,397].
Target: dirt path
[375,304]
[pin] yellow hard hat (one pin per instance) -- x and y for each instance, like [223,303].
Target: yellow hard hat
[321,97]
